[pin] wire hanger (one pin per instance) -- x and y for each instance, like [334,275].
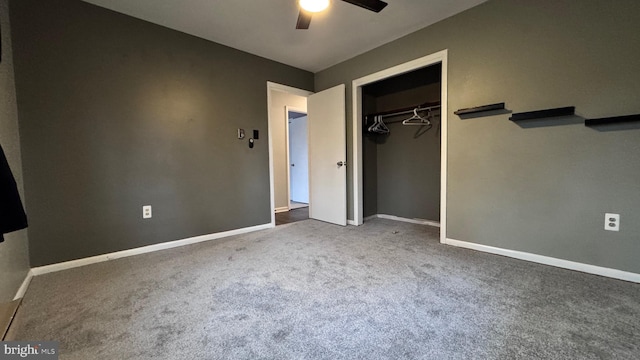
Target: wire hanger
[373,126]
[378,126]
[417,119]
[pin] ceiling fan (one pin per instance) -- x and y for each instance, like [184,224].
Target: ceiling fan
[309,7]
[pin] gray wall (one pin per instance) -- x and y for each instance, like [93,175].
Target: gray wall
[14,253]
[540,187]
[117,113]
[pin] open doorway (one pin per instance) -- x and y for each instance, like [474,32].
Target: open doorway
[282,99]
[327,151]
[439,59]
[401,147]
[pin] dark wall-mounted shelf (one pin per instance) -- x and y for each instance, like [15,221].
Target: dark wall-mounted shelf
[479,109]
[539,114]
[612,120]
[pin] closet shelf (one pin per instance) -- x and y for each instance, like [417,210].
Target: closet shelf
[548,113]
[612,120]
[479,109]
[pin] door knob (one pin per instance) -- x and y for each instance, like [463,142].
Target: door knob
[341,163]
[293,164]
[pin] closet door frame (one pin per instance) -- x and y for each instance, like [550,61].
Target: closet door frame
[357,84]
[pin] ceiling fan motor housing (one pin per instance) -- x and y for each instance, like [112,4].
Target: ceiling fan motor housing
[308,7]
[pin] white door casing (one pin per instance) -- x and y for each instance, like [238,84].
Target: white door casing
[327,155]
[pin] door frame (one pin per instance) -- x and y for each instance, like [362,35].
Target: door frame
[357,84]
[287,109]
[272,86]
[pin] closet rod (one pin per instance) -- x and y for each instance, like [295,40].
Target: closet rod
[426,106]
[409,111]
[396,121]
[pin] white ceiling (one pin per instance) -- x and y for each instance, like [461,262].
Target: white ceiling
[267,27]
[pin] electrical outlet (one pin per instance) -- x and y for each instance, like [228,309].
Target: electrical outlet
[612,222]
[146,212]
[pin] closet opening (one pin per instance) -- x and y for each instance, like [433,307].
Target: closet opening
[400,126]
[401,147]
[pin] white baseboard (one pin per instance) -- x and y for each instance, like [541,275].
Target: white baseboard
[351,222]
[281,209]
[25,285]
[398,218]
[546,260]
[143,250]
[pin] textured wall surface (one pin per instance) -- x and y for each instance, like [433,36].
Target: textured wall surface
[14,256]
[279,100]
[541,186]
[117,113]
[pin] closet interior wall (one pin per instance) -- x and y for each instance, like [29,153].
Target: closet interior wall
[401,170]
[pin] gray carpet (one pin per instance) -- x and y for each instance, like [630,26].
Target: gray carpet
[310,290]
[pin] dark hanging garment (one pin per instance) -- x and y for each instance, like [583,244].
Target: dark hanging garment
[12,216]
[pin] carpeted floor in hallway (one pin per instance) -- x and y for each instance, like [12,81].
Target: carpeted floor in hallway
[310,290]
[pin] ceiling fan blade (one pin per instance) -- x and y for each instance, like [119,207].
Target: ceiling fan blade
[304,19]
[373,5]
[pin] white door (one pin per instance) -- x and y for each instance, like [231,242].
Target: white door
[299,160]
[327,156]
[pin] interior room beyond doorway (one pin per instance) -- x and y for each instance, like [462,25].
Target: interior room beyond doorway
[298,171]
[298,154]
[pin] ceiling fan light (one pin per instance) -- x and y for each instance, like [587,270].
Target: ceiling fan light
[314,5]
